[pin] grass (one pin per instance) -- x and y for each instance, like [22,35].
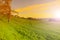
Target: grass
[25,29]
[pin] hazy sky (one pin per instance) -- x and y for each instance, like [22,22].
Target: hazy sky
[37,8]
[24,3]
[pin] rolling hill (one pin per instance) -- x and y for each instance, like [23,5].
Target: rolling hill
[27,29]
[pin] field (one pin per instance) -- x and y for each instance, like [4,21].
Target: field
[28,29]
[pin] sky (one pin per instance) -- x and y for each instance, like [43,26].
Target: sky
[24,3]
[36,8]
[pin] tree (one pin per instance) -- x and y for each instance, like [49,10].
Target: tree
[5,8]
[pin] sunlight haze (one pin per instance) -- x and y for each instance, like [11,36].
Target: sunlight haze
[38,9]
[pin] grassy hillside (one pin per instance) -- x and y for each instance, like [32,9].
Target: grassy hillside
[26,29]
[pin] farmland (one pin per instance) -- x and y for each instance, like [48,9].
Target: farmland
[28,29]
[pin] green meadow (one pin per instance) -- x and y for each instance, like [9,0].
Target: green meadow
[28,29]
